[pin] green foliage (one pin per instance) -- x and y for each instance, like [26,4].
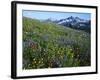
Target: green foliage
[48,45]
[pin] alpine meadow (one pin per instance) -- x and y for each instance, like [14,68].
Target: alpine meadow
[56,43]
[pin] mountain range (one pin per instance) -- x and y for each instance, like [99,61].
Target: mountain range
[73,22]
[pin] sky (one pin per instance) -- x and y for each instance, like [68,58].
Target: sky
[42,15]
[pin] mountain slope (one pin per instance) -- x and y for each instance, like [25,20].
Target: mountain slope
[48,45]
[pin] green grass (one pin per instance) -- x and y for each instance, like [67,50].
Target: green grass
[48,45]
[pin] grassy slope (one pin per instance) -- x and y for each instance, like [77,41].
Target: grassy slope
[53,45]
